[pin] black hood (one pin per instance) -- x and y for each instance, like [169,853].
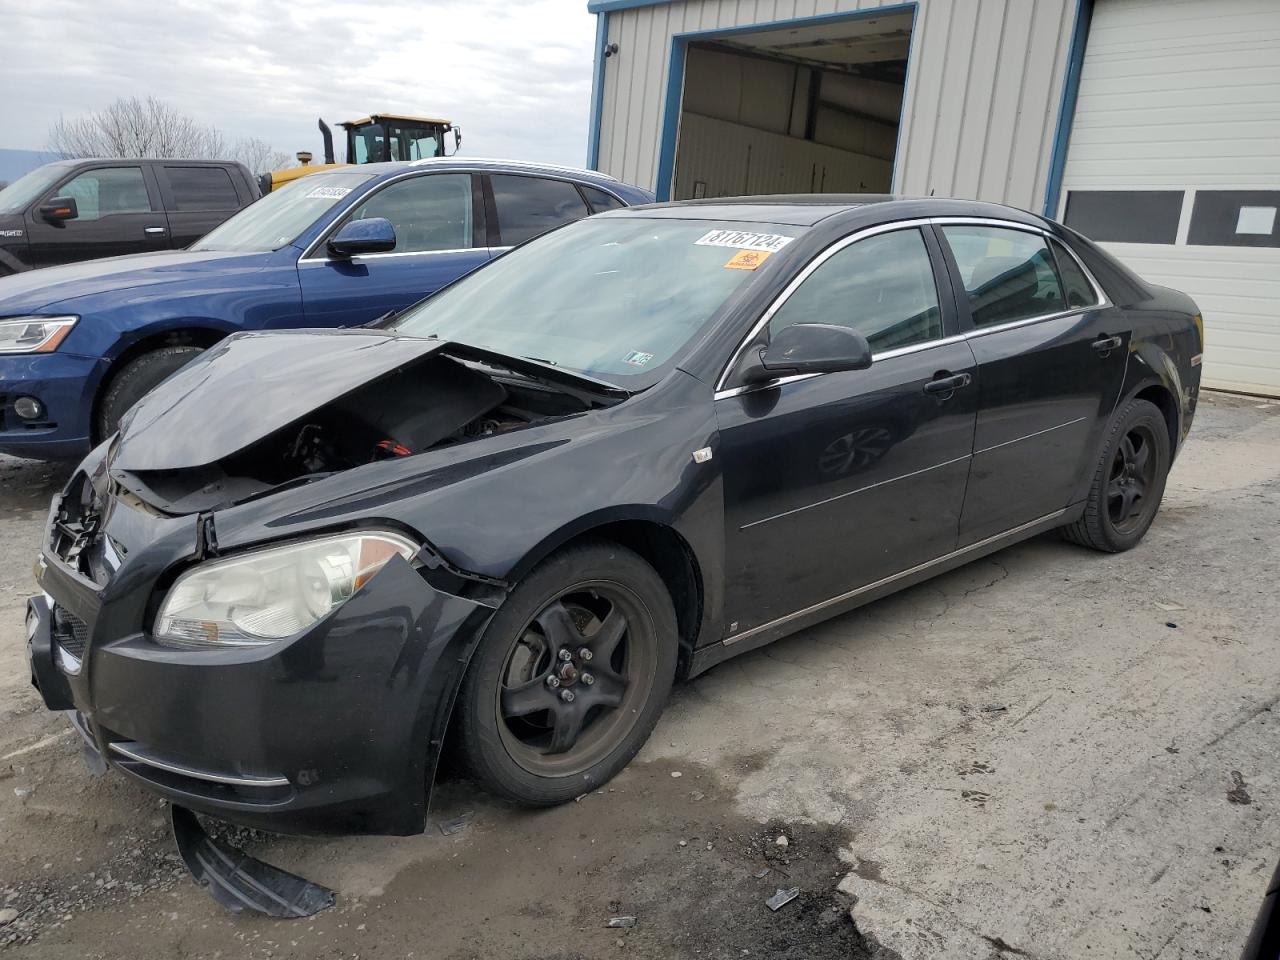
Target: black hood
[247,386]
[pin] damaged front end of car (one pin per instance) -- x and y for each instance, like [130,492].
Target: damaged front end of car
[300,677]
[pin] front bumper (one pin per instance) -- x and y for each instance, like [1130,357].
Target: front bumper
[64,384]
[335,731]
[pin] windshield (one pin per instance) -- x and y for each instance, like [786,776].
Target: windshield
[615,298]
[17,196]
[283,215]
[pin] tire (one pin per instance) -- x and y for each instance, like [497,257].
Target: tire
[1128,481]
[514,729]
[133,381]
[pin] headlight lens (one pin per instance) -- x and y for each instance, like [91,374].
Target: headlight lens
[34,334]
[267,595]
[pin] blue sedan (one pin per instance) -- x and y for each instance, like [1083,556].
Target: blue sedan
[80,344]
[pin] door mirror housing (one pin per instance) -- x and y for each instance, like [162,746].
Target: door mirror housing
[808,348]
[358,237]
[457,138]
[59,209]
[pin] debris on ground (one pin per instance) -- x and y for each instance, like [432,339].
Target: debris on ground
[994,708]
[782,840]
[621,922]
[1238,794]
[782,898]
[676,774]
[450,827]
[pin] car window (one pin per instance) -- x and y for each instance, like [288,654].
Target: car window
[599,200]
[107,190]
[428,212]
[528,206]
[1079,291]
[202,188]
[1007,274]
[882,287]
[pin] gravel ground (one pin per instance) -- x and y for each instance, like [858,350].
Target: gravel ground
[1048,753]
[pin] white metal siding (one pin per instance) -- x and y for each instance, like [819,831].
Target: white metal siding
[1185,94]
[981,108]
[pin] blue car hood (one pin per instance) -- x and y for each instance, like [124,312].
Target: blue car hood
[37,290]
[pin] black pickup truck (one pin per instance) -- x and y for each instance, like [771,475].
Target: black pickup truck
[74,210]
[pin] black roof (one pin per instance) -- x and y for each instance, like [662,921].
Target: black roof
[809,209]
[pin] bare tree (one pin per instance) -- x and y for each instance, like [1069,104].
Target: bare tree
[259,156]
[131,127]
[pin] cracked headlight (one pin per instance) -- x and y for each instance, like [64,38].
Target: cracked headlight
[268,595]
[34,334]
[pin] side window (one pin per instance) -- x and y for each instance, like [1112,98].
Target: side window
[430,212]
[1007,274]
[202,188]
[882,287]
[599,200]
[100,193]
[1079,291]
[528,206]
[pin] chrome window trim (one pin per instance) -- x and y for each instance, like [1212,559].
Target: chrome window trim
[1101,301]
[307,254]
[384,256]
[139,756]
[524,164]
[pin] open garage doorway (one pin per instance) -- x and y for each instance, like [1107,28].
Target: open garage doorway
[804,107]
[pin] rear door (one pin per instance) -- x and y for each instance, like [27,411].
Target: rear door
[835,481]
[1051,360]
[197,197]
[119,212]
[440,235]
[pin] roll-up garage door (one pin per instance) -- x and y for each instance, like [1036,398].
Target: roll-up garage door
[1174,165]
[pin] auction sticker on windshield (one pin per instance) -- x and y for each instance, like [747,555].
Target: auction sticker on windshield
[328,193]
[769,242]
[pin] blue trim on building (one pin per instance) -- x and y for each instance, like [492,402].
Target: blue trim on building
[606,6]
[597,93]
[906,86]
[675,73]
[1067,107]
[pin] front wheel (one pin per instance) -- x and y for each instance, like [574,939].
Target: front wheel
[570,677]
[1128,481]
[134,381]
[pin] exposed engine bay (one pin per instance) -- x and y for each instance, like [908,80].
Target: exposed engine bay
[426,405]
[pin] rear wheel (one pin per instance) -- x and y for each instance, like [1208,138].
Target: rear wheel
[1128,481]
[134,380]
[570,677]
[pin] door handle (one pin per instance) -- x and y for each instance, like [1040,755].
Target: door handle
[1106,344]
[153,231]
[945,384]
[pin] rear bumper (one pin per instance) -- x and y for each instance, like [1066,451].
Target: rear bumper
[64,384]
[335,731]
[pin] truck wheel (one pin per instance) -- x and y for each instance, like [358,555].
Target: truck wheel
[1128,481]
[570,678]
[133,381]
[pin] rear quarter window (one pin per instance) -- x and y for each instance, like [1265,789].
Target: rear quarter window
[202,188]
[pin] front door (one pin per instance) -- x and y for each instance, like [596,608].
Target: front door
[439,237]
[118,212]
[1051,361]
[836,481]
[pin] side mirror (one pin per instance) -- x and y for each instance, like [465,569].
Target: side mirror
[457,138]
[59,209]
[358,237]
[808,348]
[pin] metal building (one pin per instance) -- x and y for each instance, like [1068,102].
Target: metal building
[1151,125]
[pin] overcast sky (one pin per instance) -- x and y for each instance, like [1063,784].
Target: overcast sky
[514,74]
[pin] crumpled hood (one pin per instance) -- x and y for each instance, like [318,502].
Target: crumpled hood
[36,290]
[250,384]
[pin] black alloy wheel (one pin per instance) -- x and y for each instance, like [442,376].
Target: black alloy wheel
[1128,480]
[570,677]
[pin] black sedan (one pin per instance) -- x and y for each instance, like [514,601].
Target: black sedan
[622,453]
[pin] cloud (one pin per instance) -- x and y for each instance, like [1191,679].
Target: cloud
[514,74]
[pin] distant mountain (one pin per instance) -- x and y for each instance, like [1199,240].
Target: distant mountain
[14,163]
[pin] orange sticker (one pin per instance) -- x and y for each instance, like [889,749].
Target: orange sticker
[747,259]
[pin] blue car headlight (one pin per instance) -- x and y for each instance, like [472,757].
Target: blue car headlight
[34,334]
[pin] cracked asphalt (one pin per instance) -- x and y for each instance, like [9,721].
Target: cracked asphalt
[1048,753]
